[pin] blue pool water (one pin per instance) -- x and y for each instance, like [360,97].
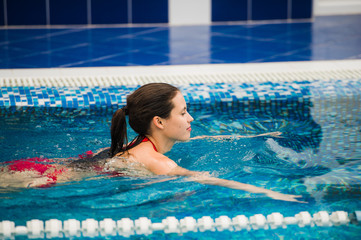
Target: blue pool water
[317,157]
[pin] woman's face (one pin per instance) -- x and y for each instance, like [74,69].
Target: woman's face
[178,125]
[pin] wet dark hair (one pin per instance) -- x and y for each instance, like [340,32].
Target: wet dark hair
[148,101]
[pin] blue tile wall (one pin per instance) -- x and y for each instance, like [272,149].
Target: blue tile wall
[145,11]
[63,12]
[25,12]
[2,20]
[68,12]
[301,9]
[109,11]
[229,10]
[269,9]
[2,17]
[226,95]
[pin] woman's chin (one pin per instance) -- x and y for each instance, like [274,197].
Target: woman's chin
[185,138]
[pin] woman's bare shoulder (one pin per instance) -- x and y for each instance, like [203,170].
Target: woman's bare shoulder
[127,165]
[145,155]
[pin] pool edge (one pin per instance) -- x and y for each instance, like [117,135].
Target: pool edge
[182,74]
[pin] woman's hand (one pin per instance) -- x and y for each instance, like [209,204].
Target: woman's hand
[199,137]
[271,134]
[284,197]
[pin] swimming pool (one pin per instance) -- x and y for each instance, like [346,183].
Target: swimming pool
[318,156]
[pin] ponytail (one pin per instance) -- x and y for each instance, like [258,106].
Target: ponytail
[153,99]
[119,132]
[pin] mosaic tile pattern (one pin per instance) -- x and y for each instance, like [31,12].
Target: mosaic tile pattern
[195,94]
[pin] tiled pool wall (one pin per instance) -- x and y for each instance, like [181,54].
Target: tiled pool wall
[225,95]
[336,108]
[224,85]
[69,12]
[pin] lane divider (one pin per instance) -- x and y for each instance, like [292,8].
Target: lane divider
[126,227]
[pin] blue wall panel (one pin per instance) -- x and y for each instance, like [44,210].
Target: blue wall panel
[63,12]
[109,11]
[229,10]
[145,11]
[301,9]
[68,12]
[2,21]
[269,9]
[25,12]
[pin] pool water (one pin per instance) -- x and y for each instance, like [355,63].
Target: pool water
[298,162]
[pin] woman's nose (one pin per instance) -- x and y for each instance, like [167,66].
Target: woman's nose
[190,118]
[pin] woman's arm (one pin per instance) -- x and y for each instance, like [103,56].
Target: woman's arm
[271,134]
[245,187]
[162,165]
[205,178]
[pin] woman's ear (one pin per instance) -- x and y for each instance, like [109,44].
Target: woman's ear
[158,122]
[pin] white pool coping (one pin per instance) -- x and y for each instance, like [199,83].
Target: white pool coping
[183,74]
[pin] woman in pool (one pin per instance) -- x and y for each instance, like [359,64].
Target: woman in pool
[158,114]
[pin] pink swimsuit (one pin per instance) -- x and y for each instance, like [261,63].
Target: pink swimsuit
[42,165]
[38,165]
